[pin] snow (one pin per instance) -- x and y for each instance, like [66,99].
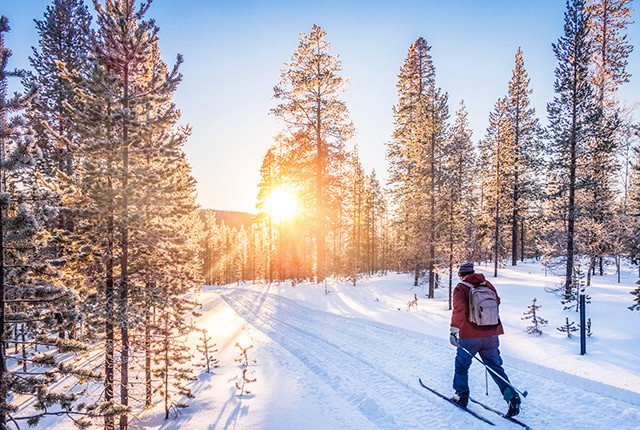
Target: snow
[351,359]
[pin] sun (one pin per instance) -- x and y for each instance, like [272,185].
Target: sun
[282,203]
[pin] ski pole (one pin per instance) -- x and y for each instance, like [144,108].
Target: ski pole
[524,394]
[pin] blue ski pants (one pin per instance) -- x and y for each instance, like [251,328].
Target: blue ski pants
[487,348]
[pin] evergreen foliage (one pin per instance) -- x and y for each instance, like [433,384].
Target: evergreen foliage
[244,361]
[207,349]
[419,137]
[496,161]
[526,158]
[318,127]
[568,327]
[608,22]
[34,306]
[571,116]
[133,188]
[459,177]
[636,298]
[532,314]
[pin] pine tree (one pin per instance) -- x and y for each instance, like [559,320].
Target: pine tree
[568,327]
[459,180]
[608,22]
[571,115]
[308,92]
[527,153]
[419,136]
[63,40]
[636,298]
[532,314]
[356,212]
[63,37]
[171,355]
[375,211]
[207,348]
[32,304]
[633,237]
[497,168]
[134,187]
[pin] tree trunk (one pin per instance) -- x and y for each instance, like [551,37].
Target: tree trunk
[601,265]
[166,370]
[522,240]
[124,262]
[3,356]
[147,359]
[514,226]
[109,317]
[572,195]
[320,238]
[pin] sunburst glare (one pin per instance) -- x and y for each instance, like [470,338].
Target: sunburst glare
[282,203]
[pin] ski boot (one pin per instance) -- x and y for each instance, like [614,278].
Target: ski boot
[514,407]
[461,398]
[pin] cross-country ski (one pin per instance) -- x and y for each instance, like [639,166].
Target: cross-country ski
[466,409]
[502,414]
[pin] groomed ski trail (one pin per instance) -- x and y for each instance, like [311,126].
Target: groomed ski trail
[374,367]
[335,350]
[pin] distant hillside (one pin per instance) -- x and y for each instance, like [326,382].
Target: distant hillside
[231,218]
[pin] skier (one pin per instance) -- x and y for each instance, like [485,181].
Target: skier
[470,339]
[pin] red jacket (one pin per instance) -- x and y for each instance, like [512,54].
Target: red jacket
[460,315]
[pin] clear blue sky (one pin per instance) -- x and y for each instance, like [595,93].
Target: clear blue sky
[234,51]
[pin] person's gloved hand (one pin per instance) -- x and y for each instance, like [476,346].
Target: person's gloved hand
[453,336]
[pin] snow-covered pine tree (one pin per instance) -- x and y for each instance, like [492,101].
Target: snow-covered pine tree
[532,314]
[206,347]
[374,214]
[309,103]
[133,185]
[356,214]
[527,154]
[636,298]
[63,37]
[271,177]
[571,115]
[496,167]
[420,132]
[244,380]
[568,327]
[171,356]
[166,251]
[208,223]
[608,22]
[244,361]
[32,304]
[570,298]
[458,183]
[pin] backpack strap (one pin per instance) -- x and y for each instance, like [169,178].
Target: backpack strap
[470,285]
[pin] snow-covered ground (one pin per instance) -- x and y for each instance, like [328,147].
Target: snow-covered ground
[351,359]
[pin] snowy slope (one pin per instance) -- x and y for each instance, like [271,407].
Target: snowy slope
[351,359]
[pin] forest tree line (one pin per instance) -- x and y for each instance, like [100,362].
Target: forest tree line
[102,242]
[567,193]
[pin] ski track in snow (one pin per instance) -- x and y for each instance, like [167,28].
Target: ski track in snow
[375,367]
